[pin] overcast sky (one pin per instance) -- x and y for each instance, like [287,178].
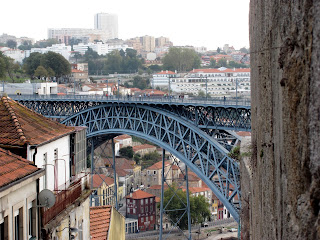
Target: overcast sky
[209,23]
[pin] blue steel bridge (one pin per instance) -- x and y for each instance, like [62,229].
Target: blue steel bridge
[198,132]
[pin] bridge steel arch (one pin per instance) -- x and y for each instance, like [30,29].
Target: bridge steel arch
[199,151]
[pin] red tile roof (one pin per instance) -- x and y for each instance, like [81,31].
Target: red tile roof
[77,71]
[243,134]
[14,167]
[143,146]
[20,125]
[98,179]
[121,137]
[158,187]
[100,218]
[214,70]
[158,165]
[165,72]
[139,194]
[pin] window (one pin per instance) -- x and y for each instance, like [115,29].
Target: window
[151,200]
[146,200]
[146,219]
[4,229]
[32,219]
[142,210]
[134,211]
[146,209]
[151,208]
[151,218]
[18,224]
[142,219]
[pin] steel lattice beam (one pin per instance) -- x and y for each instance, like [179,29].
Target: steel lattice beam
[200,152]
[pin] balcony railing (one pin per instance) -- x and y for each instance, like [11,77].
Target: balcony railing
[64,199]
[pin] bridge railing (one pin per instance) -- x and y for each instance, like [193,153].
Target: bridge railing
[143,99]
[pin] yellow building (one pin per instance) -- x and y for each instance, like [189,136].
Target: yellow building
[103,190]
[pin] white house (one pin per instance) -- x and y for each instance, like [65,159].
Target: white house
[18,197]
[60,151]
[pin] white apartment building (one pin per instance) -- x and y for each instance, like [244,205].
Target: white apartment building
[99,47]
[64,35]
[161,79]
[108,23]
[216,82]
[62,49]
[16,54]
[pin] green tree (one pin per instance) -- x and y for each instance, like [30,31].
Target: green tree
[181,59]
[201,93]
[244,50]
[2,66]
[155,68]
[57,63]
[222,62]
[11,44]
[137,158]
[126,152]
[213,63]
[26,45]
[41,72]
[32,63]
[10,67]
[114,61]
[140,82]
[199,207]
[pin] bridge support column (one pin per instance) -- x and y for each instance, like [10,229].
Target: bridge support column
[162,194]
[188,204]
[92,168]
[115,175]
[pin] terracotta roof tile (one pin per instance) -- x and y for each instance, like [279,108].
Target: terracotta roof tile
[121,137]
[165,72]
[20,125]
[142,146]
[14,167]
[139,194]
[100,218]
[158,165]
[98,179]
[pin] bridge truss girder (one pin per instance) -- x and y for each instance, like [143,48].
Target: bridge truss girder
[199,151]
[204,117]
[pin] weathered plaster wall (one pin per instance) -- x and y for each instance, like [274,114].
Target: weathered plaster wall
[285,79]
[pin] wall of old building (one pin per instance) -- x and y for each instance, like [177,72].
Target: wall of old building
[285,55]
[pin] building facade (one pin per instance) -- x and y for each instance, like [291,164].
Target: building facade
[108,23]
[142,206]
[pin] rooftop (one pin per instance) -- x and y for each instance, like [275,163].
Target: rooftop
[14,167]
[20,125]
[143,146]
[139,194]
[100,218]
[98,179]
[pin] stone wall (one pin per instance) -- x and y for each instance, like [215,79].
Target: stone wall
[285,85]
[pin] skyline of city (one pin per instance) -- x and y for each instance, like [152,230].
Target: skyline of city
[206,27]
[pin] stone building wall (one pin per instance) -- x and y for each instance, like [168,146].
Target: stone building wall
[285,85]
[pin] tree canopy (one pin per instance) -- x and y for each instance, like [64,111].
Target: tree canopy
[199,207]
[181,59]
[126,152]
[53,63]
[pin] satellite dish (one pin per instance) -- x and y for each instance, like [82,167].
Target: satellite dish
[46,198]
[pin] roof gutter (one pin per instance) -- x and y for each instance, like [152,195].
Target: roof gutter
[39,172]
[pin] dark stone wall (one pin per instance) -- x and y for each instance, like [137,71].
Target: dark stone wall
[285,85]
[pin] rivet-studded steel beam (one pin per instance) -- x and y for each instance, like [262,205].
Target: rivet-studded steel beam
[198,150]
[200,113]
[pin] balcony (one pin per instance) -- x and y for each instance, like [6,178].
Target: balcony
[65,198]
